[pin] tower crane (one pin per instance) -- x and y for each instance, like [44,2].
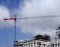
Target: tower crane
[25,18]
[14,27]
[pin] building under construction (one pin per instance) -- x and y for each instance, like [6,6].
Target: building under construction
[40,41]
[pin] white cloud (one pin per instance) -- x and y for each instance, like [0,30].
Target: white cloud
[33,8]
[4,13]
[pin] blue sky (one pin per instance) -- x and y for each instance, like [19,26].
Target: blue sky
[30,27]
[7,34]
[10,3]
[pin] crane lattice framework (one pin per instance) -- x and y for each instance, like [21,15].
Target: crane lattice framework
[26,18]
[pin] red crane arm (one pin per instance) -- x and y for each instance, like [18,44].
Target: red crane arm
[9,18]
